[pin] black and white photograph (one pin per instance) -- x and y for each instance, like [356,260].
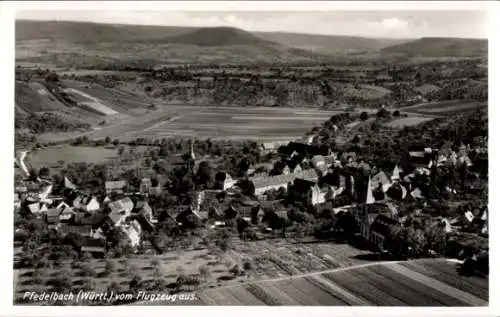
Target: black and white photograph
[249,157]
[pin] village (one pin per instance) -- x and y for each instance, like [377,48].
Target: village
[307,182]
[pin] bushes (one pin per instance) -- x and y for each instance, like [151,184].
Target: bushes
[48,122]
[363,116]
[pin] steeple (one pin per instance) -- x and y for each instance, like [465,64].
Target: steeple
[193,157]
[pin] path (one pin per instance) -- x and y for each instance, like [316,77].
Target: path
[277,279]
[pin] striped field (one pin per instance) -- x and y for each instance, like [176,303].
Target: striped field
[414,283]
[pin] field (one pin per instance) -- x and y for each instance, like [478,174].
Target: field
[414,283]
[90,101]
[407,121]
[266,124]
[69,154]
[34,97]
[271,259]
[284,272]
[445,107]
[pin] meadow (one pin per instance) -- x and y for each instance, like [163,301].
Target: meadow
[69,154]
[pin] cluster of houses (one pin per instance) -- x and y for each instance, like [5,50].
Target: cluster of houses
[306,172]
[89,216]
[315,180]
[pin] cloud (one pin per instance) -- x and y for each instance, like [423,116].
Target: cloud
[394,23]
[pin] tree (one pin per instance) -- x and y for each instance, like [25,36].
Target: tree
[236,270]
[107,140]
[204,272]
[248,266]
[205,175]
[121,150]
[116,142]
[135,283]
[363,116]
[52,77]
[417,242]
[242,225]
[113,287]
[247,187]
[383,113]
[396,113]
[109,267]
[87,270]
[44,172]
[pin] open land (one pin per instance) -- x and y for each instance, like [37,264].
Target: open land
[445,107]
[269,124]
[407,121]
[70,154]
[274,258]
[413,283]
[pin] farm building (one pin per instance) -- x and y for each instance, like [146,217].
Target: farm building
[263,184]
[116,187]
[87,204]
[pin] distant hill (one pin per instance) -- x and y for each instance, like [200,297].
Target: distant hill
[218,36]
[329,44]
[81,44]
[439,47]
[87,33]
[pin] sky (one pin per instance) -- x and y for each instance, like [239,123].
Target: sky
[383,24]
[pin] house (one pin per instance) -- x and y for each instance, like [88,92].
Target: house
[419,158]
[142,208]
[116,187]
[120,210]
[34,208]
[268,147]
[319,161]
[215,214]
[52,216]
[155,190]
[257,213]
[380,230]
[104,200]
[319,195]
[182,216]
[87,204]
[263,184]
[82,230]
[230,213]
[96,247]
[17,200]
[98,234]
[68,184]
[380,178]
[224,181]
[94,220]
[20,189]
[133,233]
[367,215]
[145,186]
[126,204]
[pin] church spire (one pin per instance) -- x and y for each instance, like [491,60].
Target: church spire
[193,157]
